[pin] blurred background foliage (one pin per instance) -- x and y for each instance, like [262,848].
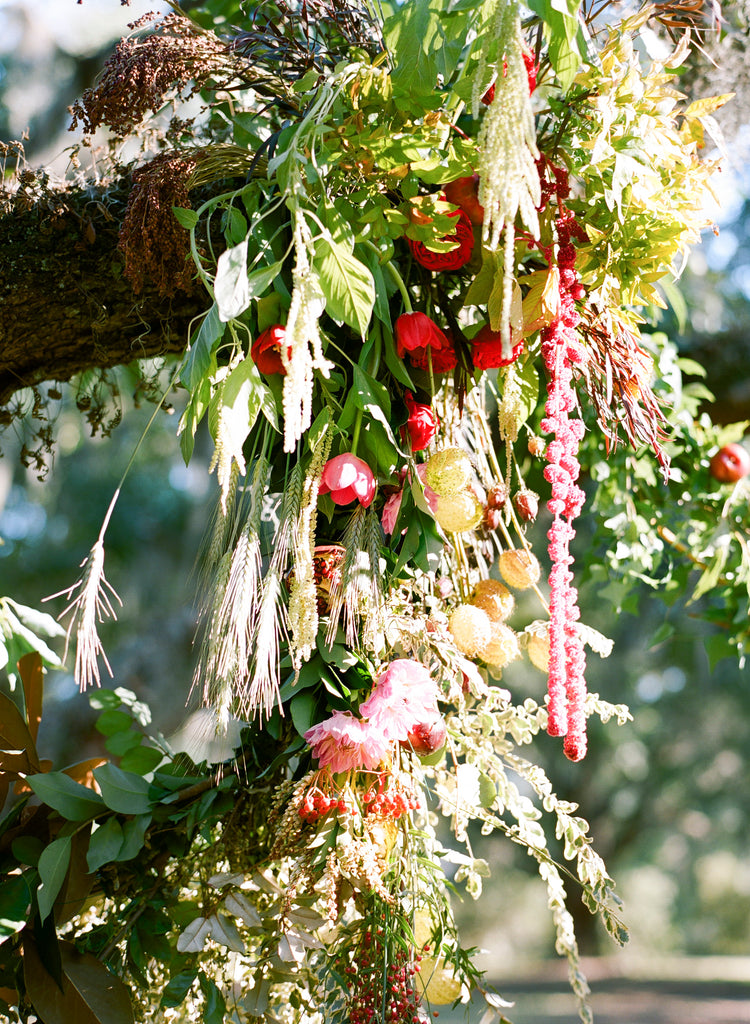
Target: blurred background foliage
[668,795]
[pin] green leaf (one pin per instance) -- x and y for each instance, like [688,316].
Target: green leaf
[103,700]
[141,760]
[177,988]
[302,709]
[239,401]
[68,798]
[412,35]
[231,289]
[187,218]
[122,791]
[133,836]
[260,279]
[52,867]
[105,844]
[346,283]
[15,898]
[112,721]
[199,361]
[214,1007]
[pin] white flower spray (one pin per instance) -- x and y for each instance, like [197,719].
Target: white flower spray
[508,176]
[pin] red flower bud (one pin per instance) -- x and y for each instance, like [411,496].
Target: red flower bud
[347,478]
[455,258]
[265,351]
[527,504]
[497,496]
[425,343]
[487,349]
[426,737]
[421,425]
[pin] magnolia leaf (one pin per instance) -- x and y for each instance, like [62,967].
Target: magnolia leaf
[68,798]
[215,1005]
[178,987]
[52,867]
[231,288]
[224,931]
[255,1002]
[239,905]
[15,898]
[347,284]
[291,948]
[122,791]
[226,878]
[133,836]
[105,844]
[193,938]
[32,678]
[63,1003]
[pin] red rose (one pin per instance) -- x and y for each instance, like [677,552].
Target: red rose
[422,424]
[265,351]
[454,258]
[463,192]
[425,343]
[347,478]
[487,349]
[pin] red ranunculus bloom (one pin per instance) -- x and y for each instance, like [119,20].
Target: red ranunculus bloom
[454,259]
[422,424]
[265,351]
[347,478]
[487,349]
[463,192]
[424,342]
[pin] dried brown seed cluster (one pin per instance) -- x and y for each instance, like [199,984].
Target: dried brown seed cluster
[142,73]
[155,246]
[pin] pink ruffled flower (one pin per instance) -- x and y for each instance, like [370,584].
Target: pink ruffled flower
[347,478]
[343,742]
[404,695]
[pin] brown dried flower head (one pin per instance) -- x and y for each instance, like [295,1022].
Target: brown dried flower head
[155,246]
[144,72]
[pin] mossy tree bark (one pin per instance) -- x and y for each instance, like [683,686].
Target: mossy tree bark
[65,304]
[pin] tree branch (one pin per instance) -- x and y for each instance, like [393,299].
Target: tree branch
[65,305]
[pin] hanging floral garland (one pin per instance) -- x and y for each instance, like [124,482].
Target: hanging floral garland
[417,249]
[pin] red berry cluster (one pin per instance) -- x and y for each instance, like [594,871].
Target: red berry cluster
[316,804]
[382,988]
[389,800]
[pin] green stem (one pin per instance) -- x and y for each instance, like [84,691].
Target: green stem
[397,278]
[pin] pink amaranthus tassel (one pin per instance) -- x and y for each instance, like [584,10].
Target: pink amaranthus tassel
[561,349]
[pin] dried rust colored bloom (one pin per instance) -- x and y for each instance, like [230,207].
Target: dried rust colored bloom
[155,246]
[143,73]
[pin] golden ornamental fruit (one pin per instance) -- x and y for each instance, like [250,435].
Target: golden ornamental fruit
[519,568]
[448,471]
[503,646]
[495,599]
[471,629]
[458,512]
